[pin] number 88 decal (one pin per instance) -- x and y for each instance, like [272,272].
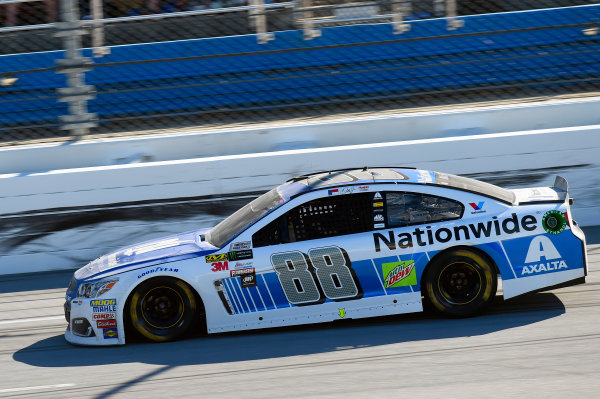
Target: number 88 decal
[325,272]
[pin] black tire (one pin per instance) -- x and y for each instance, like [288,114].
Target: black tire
[162,309]
[460,283]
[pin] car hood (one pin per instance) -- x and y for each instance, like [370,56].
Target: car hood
[162,250]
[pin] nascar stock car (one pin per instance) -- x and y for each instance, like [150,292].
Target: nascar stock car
[333,245]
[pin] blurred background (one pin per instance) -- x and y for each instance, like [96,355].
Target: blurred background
[141,65]
[126,120]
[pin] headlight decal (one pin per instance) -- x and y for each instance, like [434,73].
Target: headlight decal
[96,288]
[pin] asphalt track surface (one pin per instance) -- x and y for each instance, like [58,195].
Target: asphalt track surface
[540,345]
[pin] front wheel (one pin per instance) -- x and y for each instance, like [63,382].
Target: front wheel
[460,283]
[162,309]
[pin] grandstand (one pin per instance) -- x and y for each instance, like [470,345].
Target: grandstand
[212,66]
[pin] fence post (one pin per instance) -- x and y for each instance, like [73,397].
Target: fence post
[307,21]
[77,93]
[453,23]
[258,20]
[400,8]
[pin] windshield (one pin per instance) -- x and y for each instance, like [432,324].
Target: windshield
[250,213]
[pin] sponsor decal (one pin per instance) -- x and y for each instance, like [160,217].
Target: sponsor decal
[477,207]
[158,269]
[241,272]
[542,247]
[238,246]
[104,316]
[378,218]
[99,302]
[377,204]
[110,333]
[247,275]
[379,226]
[77,302]
[215,258]
[249,280]
[428,236]
[342,313]
[424,177]
[219,266]
[399,274]
[554,222]
[239,265]
[363,188]
[342,190]
[103,305]
[110,323]
[240,255]
[377,196]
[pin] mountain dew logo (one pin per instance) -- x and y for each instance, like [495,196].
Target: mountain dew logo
[399,274]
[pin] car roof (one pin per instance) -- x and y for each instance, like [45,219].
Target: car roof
[365,175]
[400,175]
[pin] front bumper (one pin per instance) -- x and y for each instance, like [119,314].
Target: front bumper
[89,326]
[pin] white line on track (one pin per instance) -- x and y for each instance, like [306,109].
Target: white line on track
[30,319]
[39,387]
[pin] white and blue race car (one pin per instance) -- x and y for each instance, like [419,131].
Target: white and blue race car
[334,245]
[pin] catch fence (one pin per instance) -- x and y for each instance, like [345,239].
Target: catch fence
[127,66]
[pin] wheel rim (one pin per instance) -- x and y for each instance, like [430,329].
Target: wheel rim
[460,283]
[162,307]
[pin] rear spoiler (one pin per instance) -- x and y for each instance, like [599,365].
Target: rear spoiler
[558,193]
[560,183]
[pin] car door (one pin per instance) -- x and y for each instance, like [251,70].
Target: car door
[412,219]
[316,261]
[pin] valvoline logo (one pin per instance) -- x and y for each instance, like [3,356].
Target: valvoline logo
[332,192]
[477,207]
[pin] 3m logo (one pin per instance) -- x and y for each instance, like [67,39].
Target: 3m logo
[477,206]
[215,258]
[219,266]
[399,274]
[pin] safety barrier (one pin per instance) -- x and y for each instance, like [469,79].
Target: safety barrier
[37,233]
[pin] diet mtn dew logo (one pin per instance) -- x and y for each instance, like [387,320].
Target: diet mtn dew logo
[554,222]
[399,274]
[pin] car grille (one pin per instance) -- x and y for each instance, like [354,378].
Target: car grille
[68,311]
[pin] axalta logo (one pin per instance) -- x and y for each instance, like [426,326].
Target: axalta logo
[542,247]
[103,302]
[399,274]
[428,236]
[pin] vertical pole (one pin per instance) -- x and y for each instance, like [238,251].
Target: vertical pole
[258,19]
[453,23]
[76,94]
[98,30]
[307,17]
[400,8]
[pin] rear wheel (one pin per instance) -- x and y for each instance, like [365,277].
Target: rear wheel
[460,283]
[162,309]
